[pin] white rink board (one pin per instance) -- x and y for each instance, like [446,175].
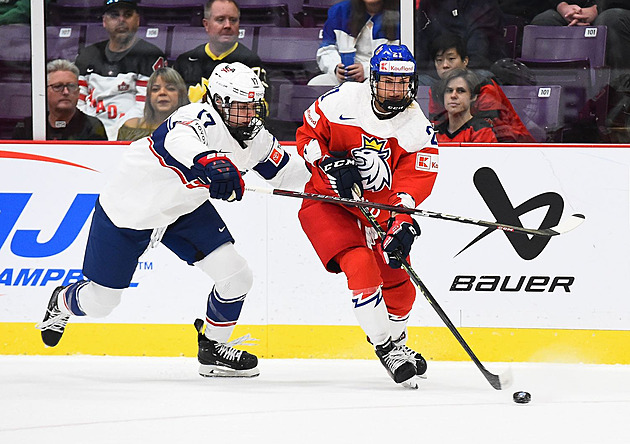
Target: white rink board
[291,286]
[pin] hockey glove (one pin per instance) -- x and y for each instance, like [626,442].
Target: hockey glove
[403,230]
[343,176]
[223,177]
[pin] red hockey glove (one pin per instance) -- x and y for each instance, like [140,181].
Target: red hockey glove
[222,175]
[343,175]
[403,230]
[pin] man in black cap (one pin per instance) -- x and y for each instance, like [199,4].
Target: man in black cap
[114,72]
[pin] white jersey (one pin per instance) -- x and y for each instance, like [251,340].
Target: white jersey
[155,183]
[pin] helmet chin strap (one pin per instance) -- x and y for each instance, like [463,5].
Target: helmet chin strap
[387,105]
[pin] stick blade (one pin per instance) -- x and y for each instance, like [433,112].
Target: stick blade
[499,382]
[568,224]
[506,378]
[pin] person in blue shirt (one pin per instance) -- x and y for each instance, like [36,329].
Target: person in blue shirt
[354,29]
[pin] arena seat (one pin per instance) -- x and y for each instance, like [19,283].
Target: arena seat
[74,12]
[539,109]
[566,55]
[15,104]
[15,52]
[293,100]
[185,38]
[157,34]
[572,57]
[289,52]
[169,12]
[16,43]
[315,12]
[62,42]
[264,13]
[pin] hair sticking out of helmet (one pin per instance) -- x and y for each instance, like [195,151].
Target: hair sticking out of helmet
[239,96]
[393,78]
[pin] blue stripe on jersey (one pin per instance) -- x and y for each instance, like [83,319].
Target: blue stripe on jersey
[268,169]
[158,137]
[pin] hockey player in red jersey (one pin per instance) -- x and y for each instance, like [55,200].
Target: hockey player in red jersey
[162,193]
[371,138]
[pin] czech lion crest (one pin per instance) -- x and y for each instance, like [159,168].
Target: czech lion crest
[371,159]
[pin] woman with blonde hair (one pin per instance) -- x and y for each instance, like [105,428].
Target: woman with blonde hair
[166,91]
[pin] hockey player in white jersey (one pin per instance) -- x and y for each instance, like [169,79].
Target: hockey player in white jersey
[161,194]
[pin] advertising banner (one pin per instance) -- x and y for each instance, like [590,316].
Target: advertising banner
[481,277]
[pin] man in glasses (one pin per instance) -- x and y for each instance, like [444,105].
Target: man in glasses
[64,120]
[114,72]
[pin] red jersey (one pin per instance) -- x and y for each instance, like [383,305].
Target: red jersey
[475,130]
[395,155]
[493,104]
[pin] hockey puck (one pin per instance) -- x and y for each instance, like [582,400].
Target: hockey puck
[521,397]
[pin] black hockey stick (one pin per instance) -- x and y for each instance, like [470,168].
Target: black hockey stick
[567,225]
[497,381]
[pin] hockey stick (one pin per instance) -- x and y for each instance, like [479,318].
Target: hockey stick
[497,381]
[567,225]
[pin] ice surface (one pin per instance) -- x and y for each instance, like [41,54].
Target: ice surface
[92,399]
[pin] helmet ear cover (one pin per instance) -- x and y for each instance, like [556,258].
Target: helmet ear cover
[396,61]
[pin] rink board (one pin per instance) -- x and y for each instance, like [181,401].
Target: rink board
[513,298]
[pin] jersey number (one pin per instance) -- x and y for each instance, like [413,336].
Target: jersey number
[431,133]
[205,118]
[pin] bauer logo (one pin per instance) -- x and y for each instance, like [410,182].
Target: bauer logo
[494,195]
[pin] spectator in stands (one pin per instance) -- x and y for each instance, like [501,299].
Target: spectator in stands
[457,91]
[114,72]
[166,91]
[15,11]
[64,120]
[353,30]
[476,22]
[614,14]
[221,21]
[449,52]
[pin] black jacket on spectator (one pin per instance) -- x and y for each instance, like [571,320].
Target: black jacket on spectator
[80,127]
[196,65]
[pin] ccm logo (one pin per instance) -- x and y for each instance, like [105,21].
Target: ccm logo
[531,284]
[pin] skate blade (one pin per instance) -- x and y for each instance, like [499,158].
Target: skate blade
[410,384]
[215,371]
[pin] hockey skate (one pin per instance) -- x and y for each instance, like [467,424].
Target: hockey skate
[398,364]
[222,360]
[419,361]
[54,322]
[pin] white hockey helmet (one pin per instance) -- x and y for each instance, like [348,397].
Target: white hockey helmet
[235,82]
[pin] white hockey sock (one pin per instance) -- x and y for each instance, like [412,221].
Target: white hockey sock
[398,327]
[371,312]
[218,333]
